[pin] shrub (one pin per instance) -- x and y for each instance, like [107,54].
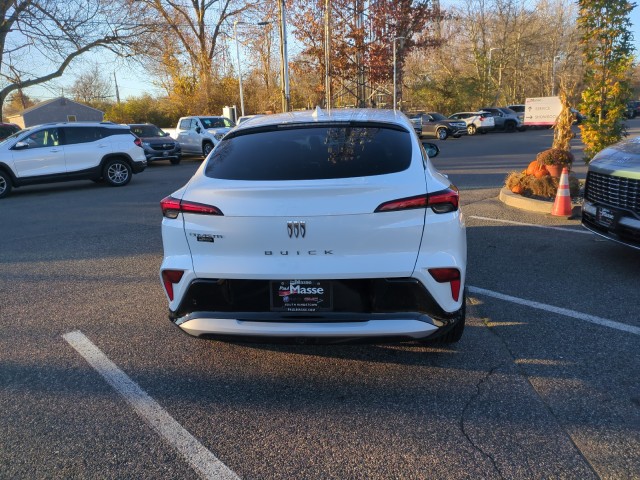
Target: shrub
[555,156]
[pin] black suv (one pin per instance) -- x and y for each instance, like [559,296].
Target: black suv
[157,144]
[611,205]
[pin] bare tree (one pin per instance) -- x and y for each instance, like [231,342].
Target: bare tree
[188,49]
[40,38]
[91,87]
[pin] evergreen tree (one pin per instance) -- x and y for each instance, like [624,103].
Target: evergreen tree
[606,41]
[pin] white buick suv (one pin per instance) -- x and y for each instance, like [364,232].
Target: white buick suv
[325,225]
[57,152]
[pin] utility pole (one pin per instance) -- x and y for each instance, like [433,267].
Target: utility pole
[361,94]
[327,53]
[284,70]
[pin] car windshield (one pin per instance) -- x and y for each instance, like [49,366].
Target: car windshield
[311,153]
[508,111]
[147,131]
[216,122]
[438,116]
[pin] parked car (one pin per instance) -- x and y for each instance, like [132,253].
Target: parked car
[611,205]
[8,129]
[519,109]
[505,119]
[434,124]
[480,122]
[579,118]
[266,239]
[157,144]
[247,117]
[56,152]
[635,108]
[198,135]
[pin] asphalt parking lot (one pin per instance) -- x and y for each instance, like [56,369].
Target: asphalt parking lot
[95,382]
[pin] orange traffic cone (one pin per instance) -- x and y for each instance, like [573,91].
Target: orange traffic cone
[562,204]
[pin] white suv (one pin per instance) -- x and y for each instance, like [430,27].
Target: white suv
[317,224]
[58,152]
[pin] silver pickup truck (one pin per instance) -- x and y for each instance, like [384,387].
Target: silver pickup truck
[198,135]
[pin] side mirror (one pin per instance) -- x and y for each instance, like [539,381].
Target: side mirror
[198,130]
[20,146]
[431,149]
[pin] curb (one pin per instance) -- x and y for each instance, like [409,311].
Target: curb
[532,205]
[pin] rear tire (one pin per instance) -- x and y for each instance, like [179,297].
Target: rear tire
[5,184]
[471,129]
[117,172]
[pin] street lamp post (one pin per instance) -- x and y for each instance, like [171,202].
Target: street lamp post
[490,54]
[489,74]
[395,90]
[235,34]
[553,75]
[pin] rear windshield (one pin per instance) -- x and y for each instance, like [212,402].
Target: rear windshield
[311,153]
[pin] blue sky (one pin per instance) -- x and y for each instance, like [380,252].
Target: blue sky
[134,81]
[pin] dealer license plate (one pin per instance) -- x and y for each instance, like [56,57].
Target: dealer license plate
[605,216]
[301,296]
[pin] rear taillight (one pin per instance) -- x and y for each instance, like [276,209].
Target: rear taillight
[481,118]
[443,201]
[451,275]
[171,207]
[419,201]
[137,141]
[169,278]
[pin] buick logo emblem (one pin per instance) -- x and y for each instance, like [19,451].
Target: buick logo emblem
[296,229]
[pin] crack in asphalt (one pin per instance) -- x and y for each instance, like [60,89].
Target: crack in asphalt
[462,417]
[524,375]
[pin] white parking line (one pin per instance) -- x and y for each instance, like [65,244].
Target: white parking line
[511,222]
[201,460]
[561,311]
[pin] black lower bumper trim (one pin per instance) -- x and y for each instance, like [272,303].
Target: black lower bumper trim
[360,298]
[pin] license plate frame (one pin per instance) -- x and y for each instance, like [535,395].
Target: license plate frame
[301,296]
[606,216]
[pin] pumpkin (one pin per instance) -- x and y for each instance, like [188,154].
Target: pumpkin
[517,189]
[533,167]
[541,172]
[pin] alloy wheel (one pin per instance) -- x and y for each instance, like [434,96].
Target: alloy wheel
[118,173]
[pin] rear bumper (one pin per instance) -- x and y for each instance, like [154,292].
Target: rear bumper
[137,167]
[202,323]
[366,308]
